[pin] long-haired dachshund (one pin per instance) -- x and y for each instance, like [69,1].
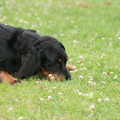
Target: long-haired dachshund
[25,53]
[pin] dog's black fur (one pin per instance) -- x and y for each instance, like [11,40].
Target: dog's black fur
[25,52]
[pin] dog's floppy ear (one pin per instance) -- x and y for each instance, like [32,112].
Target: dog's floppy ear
[61,45]
[31,63]
[33,50]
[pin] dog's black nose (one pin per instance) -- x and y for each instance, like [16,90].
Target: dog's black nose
[68,77]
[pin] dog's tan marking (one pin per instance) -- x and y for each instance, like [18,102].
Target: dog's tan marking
[45,73]
[66,58]
[7,78]
[59,60]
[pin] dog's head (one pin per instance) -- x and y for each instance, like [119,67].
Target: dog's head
[54,59]
[49,53]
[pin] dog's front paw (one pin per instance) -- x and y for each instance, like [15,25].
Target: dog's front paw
[16,82]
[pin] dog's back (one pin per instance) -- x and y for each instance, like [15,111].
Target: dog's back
[8,33]
[8,48]
[5,29]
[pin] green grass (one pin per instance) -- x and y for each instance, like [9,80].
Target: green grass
[95,28]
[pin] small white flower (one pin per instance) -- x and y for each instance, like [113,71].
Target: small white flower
[81,64]
[38,18]
[16,18]
[81,57]
[104,73]
[90,82]
[80,93]
[99,64]
[60,93]
[29,14]
[7,2]
[107,99]
[111,73]
[54,87]
[73,67]
[5,18]
[116,67]
[117,35]
[36,82]
[61,35]
[103,82]
[93,83]
[52,78]
[76,90]
[80,77]
[71,60]
[118,32]
[90,77]
[103,38]
[75,41]
[110,44]
[16,100]
[50,75]
[96,34]
[49,97]
[118,38]
[50,91]
[36,14]
[38,31]
[26,22]
[115,77]
[42,99]
[99,100]
[78,61]
[110,38]
[84,68]
[92,107]
[1,20]
[75,26]
[21,118]
[103,55]
[74,71]
[21,20]
[72,21]
[85,95]
[10,109]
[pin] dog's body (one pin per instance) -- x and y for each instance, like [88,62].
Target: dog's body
[26,52]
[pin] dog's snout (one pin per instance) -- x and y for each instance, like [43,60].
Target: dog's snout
[68,77]
[66,73]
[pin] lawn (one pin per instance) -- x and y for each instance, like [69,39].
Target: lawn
[90,32]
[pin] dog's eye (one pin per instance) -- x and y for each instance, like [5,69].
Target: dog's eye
[59,60]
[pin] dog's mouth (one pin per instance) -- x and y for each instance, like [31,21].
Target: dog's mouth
[44,72]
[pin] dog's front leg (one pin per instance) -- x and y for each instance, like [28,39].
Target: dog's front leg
[7,78]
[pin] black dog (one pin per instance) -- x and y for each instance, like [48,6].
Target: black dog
[25,52]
